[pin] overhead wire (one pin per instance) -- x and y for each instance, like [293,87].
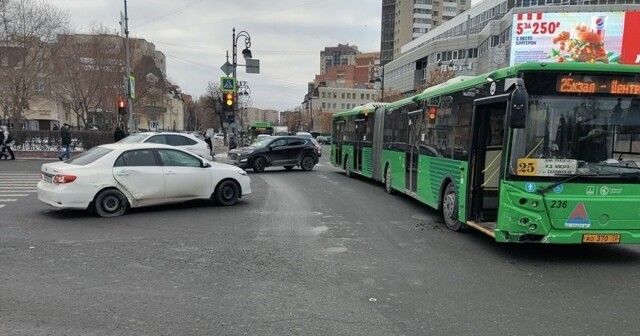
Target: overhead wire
[173,12]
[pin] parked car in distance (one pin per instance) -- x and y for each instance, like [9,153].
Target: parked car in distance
[218,136]
[323,140]
[286,151]
[262,136]
[304,135]
[185,141]
[109,179]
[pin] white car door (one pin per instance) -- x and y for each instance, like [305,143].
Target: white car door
[141,176]
[184,176]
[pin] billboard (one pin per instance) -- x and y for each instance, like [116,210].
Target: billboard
[587,37]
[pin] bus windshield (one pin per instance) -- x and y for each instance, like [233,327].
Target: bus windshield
[585,135]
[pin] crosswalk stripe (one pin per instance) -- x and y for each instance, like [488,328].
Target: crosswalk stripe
[17,182]
[31,189]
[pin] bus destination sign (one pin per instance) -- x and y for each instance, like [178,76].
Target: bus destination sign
[597,84]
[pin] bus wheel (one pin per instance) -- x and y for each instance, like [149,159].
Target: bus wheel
[347,170]
[450,208]
[387,181]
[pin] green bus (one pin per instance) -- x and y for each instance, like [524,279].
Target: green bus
[535,152]
[260,128]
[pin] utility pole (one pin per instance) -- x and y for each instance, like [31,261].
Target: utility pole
[127,70]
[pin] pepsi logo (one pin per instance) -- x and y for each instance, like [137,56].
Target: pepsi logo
[599,21]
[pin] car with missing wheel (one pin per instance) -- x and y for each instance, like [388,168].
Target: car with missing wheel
[109,179]
[284,151]
[185,141]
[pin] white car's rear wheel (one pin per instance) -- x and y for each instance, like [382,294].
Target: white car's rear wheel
[110,203]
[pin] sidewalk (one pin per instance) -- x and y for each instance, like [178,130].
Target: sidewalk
[219,149]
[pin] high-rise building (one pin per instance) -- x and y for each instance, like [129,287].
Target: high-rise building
[343,54]
[406,20]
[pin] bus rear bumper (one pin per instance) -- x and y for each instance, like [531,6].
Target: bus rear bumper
[573,237]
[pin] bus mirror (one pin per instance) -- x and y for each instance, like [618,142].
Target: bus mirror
[519,107]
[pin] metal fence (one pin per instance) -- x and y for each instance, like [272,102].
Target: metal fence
[26,140]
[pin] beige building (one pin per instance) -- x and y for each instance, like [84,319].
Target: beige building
[253,115]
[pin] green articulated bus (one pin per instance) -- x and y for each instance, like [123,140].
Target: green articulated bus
[536,152]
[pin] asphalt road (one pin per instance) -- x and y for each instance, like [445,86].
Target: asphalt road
[308,253]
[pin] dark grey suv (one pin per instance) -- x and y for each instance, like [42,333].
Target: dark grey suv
[285,151]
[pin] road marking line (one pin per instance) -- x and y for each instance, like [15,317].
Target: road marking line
[18,190]
[16,182]
[2,206]
[14,195]
[8,199]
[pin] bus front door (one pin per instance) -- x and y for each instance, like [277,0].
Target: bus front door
[337,141]
[486,160]
[361,131]
[412,152]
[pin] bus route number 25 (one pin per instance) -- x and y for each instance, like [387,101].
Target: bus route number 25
[527,167]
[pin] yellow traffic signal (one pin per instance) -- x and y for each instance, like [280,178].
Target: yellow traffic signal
[432,112]
[228,99]
[122,106]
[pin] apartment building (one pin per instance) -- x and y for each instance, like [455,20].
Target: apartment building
[253,115]
[406,20]
[346,80]
[478,40]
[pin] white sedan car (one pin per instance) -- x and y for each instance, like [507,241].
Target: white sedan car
[186,141]
[109,179]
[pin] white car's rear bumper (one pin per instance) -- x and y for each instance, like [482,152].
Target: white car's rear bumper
[63,196]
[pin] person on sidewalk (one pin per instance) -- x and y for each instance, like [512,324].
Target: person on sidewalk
[118,134]
[6,140]
[207,139]
[65,142]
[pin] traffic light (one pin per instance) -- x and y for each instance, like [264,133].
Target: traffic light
[122,106]
[431,114]
[228,102]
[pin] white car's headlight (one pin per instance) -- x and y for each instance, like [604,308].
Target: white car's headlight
[242,172]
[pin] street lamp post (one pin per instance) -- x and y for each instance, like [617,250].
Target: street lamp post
[125,26]
[380,80]
[246,53]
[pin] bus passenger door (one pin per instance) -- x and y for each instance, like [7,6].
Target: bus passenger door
[337,139]
[412,152]
[486,159]
[361,131]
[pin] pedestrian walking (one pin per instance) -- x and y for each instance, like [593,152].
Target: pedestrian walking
[6,140]
[65,142]
[118,134]
[232,142]
[207,139]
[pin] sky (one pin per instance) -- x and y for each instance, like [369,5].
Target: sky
[194,35]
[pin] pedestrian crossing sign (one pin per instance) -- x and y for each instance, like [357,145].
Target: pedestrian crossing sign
[227,84]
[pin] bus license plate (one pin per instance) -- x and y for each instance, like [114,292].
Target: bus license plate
[601,238]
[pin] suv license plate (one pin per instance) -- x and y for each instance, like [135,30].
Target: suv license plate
[601,238]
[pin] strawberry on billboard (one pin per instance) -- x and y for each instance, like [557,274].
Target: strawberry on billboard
[594,37]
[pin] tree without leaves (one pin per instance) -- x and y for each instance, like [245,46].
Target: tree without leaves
[213,103]
[89,73]
[28,30]
[437,76]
